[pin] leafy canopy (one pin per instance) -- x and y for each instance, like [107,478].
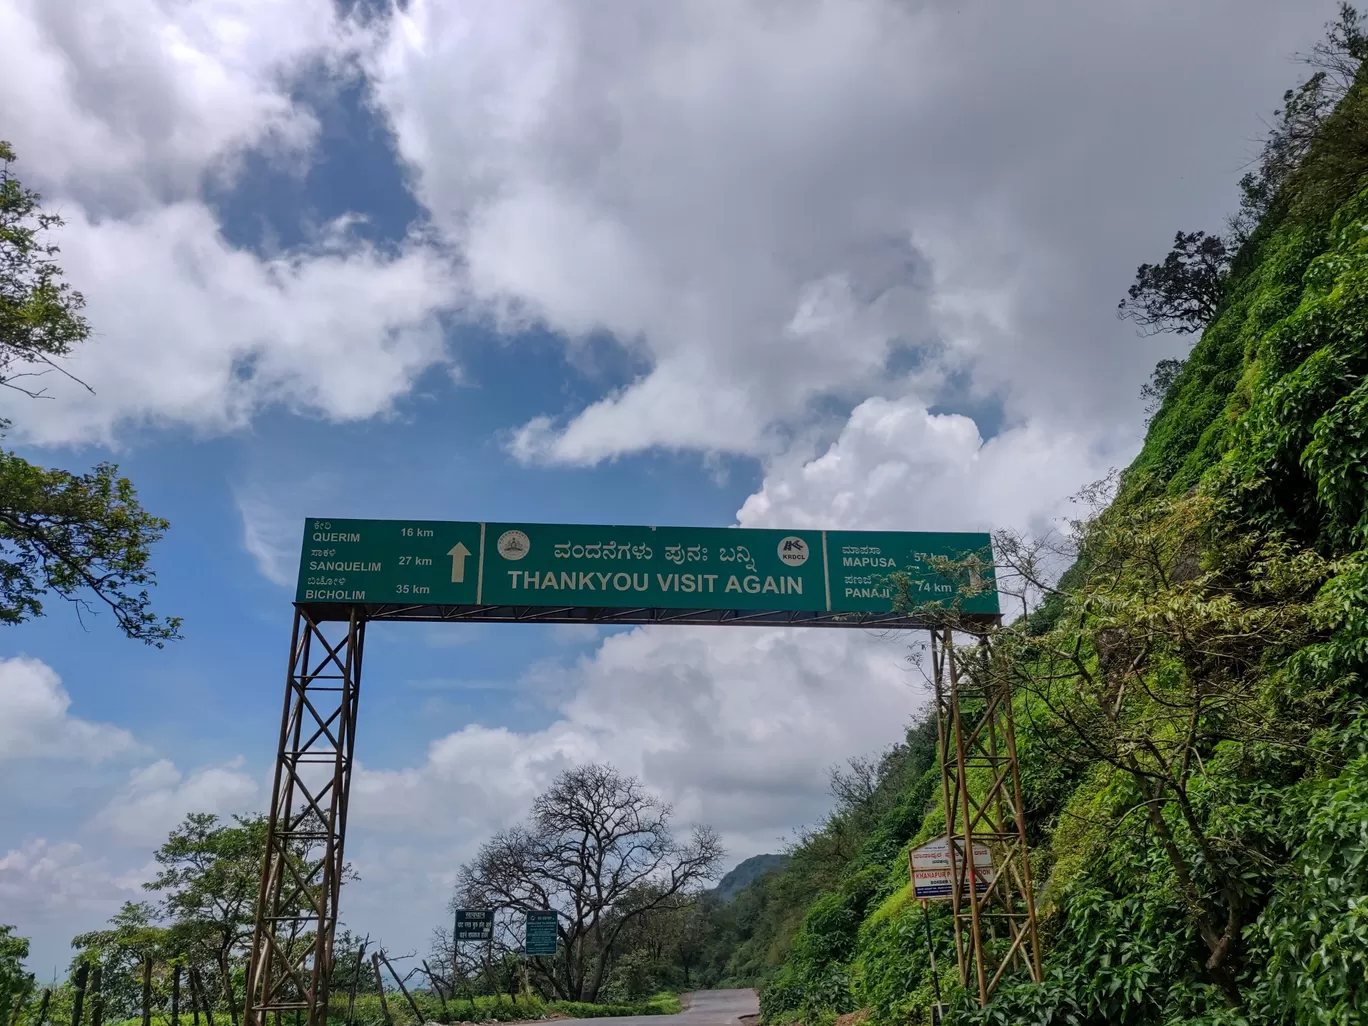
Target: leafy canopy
[40,314]
[1182,293]
[72,535]
[14,981]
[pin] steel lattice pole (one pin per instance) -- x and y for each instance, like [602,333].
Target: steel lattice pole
[301,873]
[981,792]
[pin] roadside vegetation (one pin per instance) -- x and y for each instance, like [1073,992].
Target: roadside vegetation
[1191,700]
[80,537]
[597,847]
[1190,696]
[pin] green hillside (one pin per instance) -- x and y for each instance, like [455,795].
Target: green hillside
[746,873]
[1191,702]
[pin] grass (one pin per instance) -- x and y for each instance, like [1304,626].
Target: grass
[488,1008]
[663,1003]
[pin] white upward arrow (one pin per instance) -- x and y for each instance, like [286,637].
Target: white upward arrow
[458,554]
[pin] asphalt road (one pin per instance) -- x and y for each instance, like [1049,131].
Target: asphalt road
[707,1008]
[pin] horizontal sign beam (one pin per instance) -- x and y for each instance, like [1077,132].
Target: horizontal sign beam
[924,620]
[575,573]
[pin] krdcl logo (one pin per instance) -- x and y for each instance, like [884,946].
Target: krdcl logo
[513,545]
[793,551]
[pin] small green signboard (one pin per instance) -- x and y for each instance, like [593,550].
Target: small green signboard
[474,924]
[539,934]
[488,564]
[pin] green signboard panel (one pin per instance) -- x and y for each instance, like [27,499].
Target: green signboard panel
[539,935]
[474,924]
[473,564]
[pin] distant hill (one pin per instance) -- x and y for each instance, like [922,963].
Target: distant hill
[747,873]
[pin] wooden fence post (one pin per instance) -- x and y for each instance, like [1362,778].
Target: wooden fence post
[147,991]
[203,1000]
[78,997]
[97,1002]
[19,1005]
[417,1013]
[380,985]
[446,1016]
[356,979]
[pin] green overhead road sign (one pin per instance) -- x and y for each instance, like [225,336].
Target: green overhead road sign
[539,935]
[402,564]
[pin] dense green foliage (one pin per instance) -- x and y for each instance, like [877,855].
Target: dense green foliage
[40,314]
[15,982]
[1192,701]
[75,536]
[207,887]
[188,948]
[491,1008]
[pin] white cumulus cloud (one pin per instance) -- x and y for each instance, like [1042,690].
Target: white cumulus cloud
[157,797]
[898,467]
[36,722]
[736,728]
[763,205]
[62,882]
[122,114]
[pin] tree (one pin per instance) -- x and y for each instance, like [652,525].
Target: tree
[1341,53]
[1183,293]
[72,535]
[15,982]
[128,951]
[40,314]
[1301,118]
[1156,389]
[1156,668]
[210,872]
[645,956]
[1296,124]
[597,849]
[351,966]
[693,930]
[854,784]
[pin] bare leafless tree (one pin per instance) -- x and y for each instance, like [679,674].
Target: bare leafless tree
[853,785]
[597,849]
[1341,52]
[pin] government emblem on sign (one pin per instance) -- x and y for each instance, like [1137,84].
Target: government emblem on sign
[793,551]
[513,545]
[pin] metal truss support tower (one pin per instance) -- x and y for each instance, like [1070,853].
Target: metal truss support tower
[994,920]
[301,876]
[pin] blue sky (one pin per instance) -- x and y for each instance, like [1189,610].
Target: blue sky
[852,268]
